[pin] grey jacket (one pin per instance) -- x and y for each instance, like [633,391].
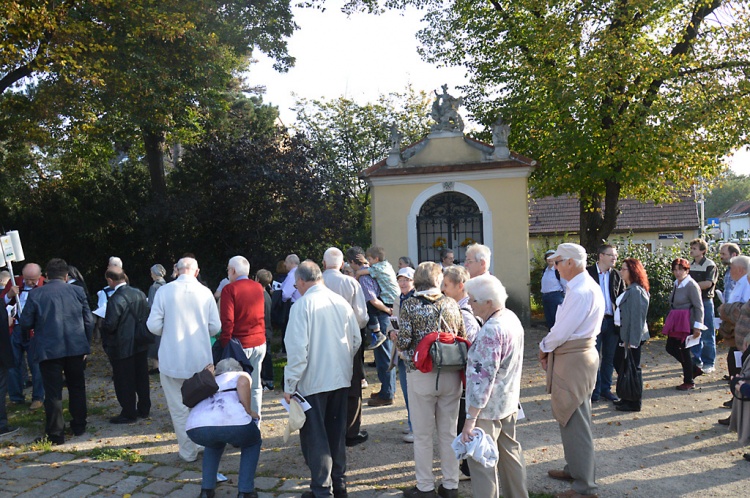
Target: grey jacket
[688,298]
[633,311]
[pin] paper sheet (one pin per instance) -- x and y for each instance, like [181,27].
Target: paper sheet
[738,359]
[692,341]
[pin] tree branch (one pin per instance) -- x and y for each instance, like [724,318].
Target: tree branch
[715,67]
[12,77]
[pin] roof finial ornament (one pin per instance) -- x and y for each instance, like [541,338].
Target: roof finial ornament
[500,132]
[445,112]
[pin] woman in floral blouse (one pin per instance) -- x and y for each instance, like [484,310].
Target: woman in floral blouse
[432,411]
[493,388]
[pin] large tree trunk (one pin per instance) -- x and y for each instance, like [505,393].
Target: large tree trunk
[154,145]
[596,224]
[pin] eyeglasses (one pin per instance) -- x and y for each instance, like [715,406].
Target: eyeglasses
[611,255]
[559,261]
[467,260]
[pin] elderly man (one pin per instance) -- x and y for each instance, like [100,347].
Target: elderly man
[15,294]
[243,318]
[322,338]
[60,317]
[728,251]
[568,354]
[478,260]
[611,286]
[731,312]
[704,272]
[288,291]
[348,288]
[184,314]
[127,308]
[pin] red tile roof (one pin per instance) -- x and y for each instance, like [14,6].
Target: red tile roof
[559,215]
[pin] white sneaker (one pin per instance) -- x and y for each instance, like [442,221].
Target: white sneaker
[709,370]
[408,438]
[364,383]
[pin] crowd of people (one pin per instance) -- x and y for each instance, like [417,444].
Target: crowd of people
[358,301]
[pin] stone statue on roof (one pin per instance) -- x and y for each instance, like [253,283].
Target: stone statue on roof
[445,112]
[395,137]
[500,132]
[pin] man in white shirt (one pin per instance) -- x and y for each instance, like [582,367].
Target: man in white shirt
[322,338]
[568,354]
[348,288]
[288,291]
[477,260]
[184,314]
[739,269]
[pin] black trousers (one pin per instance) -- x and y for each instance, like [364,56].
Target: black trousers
[675,347]
[354,394]
[323,441]
[52,377]
[619,357]
[131,380]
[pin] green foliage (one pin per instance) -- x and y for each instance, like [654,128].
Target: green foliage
[124,454]
[730,190]
[351,137]
[636,98]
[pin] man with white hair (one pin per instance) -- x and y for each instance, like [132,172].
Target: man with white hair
[184,314]
[348,288]
[243,318]
[321,340]
[727,252]
[288,291]
[478,260]
[568,354]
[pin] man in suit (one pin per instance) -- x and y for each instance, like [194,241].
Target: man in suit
[62,322]
[127,307]
[243,318]
[606,342]
[15,294]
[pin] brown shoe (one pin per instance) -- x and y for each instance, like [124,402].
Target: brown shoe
[35,405]
[379,402]
[374,394]
[560,475]
[573,494]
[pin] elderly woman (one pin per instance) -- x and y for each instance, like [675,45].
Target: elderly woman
[740,418]
[226,418]
[684,320]
[432,411]
[493,389]
[630,315]
[157,275]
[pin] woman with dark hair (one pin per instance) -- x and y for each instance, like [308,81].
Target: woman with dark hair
[76,278]
[630,315]
[158,272]
[405,262]
[684,320]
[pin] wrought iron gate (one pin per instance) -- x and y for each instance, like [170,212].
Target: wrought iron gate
[448,220]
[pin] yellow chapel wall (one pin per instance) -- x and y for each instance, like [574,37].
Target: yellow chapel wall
[507,202]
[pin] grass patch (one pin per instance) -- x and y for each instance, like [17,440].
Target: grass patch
[124,454]
[43,446]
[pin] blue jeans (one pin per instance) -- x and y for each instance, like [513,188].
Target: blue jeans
[550,302]
[704,353]
[215,439]
[16,374]
[404,391]
[606,344]
[383,361]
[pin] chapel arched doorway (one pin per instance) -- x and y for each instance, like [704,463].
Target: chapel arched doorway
[448,220]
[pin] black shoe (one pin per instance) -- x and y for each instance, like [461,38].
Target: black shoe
[464,467]
[250,494]
[724,421]
[358,439]
[8,430]
[623,407]
[746,456]
[416,493]
[340,493]
[371,364]
[121,419]
[447,493]
[153,371]
[207,493]
[728,404]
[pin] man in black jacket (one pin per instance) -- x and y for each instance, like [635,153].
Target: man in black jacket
[606,342]
[127,307]
[62,322]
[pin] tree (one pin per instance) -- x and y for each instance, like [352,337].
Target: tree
[726,193]
[141,71]
[352,137]
[613,98]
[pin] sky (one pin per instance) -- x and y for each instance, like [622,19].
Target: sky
[361,57]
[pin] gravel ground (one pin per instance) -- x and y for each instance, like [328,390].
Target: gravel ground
[673,447]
